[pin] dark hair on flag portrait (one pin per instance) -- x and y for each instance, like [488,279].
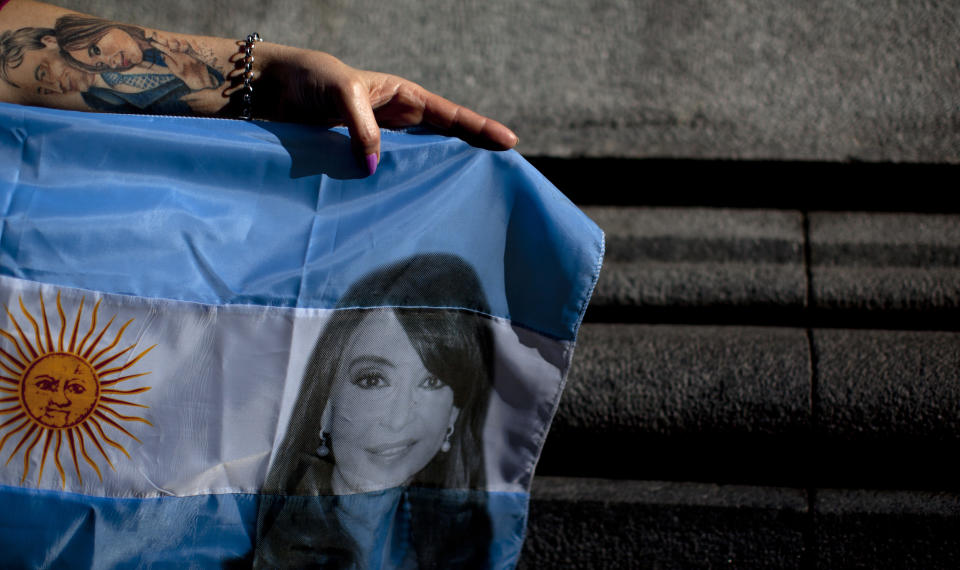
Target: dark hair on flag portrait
[395,394]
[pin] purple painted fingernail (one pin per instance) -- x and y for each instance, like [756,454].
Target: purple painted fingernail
[371,163]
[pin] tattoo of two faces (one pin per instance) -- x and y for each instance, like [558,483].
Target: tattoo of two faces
[108,66]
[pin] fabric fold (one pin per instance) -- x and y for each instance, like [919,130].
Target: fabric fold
[246,352]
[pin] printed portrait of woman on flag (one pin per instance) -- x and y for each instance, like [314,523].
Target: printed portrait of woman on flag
[388,425]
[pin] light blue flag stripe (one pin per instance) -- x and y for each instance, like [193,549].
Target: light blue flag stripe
[80,194]
[38,528]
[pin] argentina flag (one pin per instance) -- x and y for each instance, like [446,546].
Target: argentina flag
[220,344]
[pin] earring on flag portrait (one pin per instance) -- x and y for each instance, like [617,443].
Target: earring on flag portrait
[324,449]
[445,446]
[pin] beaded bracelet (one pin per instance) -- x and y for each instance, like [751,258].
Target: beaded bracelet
[246,111]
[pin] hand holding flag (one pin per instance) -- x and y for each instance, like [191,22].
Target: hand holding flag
[49,55]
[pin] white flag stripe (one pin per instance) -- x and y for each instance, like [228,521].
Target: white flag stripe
[223,382]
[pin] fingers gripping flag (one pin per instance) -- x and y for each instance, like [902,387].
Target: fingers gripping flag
[219,343]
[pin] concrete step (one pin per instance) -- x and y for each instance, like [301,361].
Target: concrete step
[670,262]
[762,266]
[598,523]
[890,263]
[735,79]
[760,405]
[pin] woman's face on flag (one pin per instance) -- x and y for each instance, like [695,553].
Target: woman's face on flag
[388,415]
[114,50]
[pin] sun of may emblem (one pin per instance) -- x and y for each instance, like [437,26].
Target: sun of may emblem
[63,391]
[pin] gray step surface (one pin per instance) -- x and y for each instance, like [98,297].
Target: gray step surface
[697,258]
[890,262]
[597,523]
[887,270]
[885,529]
[735,79]
[760,405]
[882,385]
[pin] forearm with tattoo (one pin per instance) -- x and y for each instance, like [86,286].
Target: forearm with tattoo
[64,59]
[53,57]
